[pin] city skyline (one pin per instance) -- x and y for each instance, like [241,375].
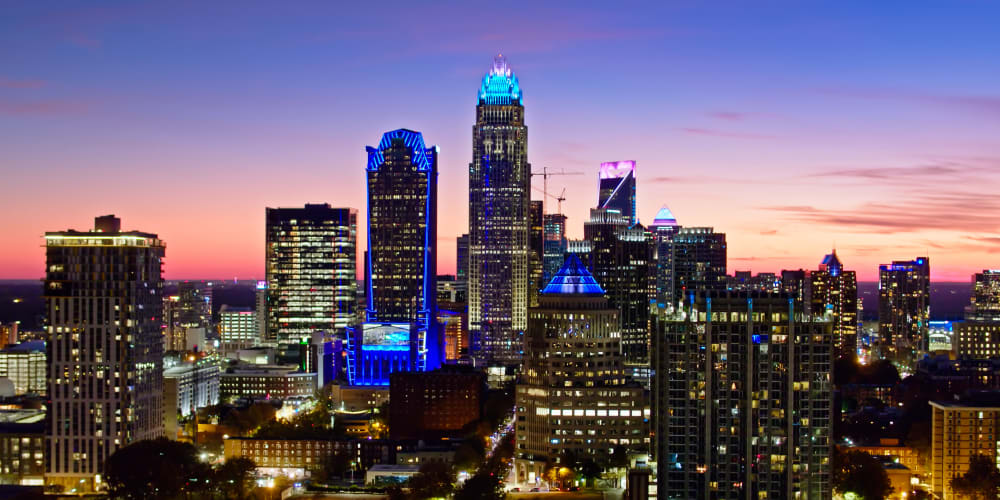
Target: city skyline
[776,133]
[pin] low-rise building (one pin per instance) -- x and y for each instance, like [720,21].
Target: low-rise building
[386,474]
[358,398]
[298,457]
[24,365]
[976,339]
[265,382]
[22,447]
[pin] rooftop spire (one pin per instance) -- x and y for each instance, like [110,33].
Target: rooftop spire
[500,84]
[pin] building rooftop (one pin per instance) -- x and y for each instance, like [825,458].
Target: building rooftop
[664,217]
[500,85]
[573,278]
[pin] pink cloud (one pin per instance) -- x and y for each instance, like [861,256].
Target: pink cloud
[36,108]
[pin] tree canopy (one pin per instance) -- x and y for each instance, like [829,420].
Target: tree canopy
[860,473]
[982,480]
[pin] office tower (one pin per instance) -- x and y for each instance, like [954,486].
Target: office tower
[699,261]
[617,188]
[401,332]
[742,399]
[260,311]
[194,305]
[574,395]
[24,365]
[834,291]
[793,283]
[499,196]
[975,339]
[311,271]
[462,258]
[237,328]
[554,246]
[985,303]
[103,295]
[959,430]
[904,309]
[622,262]
[536,251]
[664,228]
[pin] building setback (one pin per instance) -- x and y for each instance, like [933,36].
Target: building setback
[742,399]
[499,197]
[311,271]
[103,295]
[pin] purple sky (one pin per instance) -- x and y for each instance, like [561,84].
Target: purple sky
[790,127]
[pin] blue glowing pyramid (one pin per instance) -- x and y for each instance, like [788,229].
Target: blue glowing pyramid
[573,278]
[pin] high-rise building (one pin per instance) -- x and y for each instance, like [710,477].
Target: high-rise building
[499,197]
[664,228]
[24,365]
[536,251]
[904,309]
[435,404]
[237,328]
[699,261]
[574,395]
[742,399]
[401,332]
[793,282]
[621,260]
[985,303]
[617,188]
[833,290]
[554,246]
[311,271]
[462,258]
[103,295]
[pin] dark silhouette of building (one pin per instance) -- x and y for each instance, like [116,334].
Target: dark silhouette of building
[833,290]
[699,261]
[435,404]
[904,309]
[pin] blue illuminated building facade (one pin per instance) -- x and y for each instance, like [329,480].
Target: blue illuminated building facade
[499,202]
[401,331]
[617,188]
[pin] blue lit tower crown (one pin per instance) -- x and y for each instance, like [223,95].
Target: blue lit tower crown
[499,199]
[401,332]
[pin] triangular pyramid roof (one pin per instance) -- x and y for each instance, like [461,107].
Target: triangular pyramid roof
[664,217]
[573,278]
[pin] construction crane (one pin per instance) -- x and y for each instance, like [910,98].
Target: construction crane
[560,199]
[545,183]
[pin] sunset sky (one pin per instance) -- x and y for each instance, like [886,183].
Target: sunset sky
[791,126]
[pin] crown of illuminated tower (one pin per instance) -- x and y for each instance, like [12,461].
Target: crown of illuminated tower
[500,84]
[573,278]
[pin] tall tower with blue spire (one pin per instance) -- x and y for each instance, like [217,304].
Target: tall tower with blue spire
[499,199]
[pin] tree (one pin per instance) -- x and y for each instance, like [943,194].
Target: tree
[435,479]
[860,473]
[157,469]
[590,470]
[334,465]
[235,478]
[982,480]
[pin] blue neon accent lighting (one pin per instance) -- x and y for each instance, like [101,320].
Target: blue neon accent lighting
[573,278]
[420,154]
[500,85]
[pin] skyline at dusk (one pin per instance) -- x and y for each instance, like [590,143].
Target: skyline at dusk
[791,129]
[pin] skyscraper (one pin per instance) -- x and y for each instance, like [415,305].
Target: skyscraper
[742,399]
[462,258]
[833,290]
[536,251]
[554,246]
[664,228]
[904,308]
[699,261]
[499,197]
[401,332]
[985,302]
[574,395]
[621,259]
[311,271]
[617,188]
[103,295]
